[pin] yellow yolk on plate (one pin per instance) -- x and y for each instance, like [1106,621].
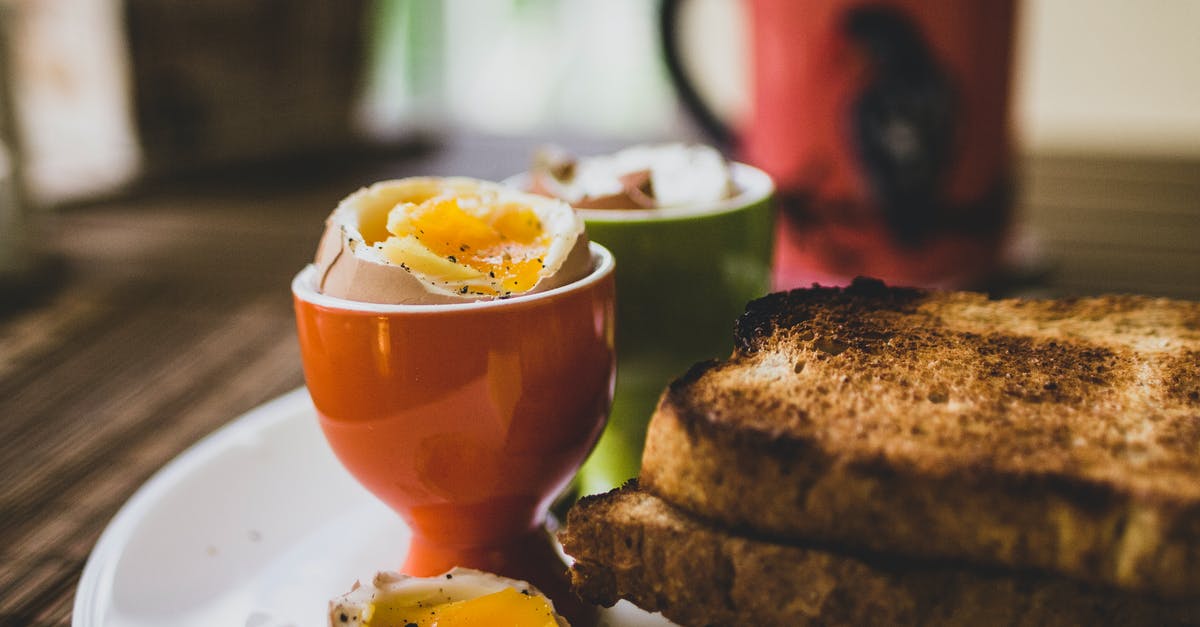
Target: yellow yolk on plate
[506,608]
[459,597]
[496,248]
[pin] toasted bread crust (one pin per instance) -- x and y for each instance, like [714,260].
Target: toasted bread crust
[630,544]
[1058,435]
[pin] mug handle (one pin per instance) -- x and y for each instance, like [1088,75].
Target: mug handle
[668,24]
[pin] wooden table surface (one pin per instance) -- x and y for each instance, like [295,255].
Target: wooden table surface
[172,316]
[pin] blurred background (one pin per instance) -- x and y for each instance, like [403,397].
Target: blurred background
[101,95]
[104,91]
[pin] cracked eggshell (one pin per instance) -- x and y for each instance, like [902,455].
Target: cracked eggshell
[647,176]
[629,197]
[349,265]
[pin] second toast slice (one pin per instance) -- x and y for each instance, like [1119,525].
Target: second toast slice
[629,544]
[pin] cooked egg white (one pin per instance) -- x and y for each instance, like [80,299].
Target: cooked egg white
[674,175]
[460,597]
[444,240]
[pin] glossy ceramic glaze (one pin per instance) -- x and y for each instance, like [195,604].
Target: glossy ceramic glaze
[886,125]
[684,275]
[467,418]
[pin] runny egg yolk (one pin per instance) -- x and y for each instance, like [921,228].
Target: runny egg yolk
[506,608]
[496,248]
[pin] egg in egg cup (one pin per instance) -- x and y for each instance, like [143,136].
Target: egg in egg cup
[466,418]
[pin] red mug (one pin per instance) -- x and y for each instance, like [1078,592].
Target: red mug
[885,125]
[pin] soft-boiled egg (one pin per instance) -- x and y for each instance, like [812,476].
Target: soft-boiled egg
[444,240]
[459,597]
[638,177]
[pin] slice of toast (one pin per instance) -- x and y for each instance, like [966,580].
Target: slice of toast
[632,545]
[1058,434]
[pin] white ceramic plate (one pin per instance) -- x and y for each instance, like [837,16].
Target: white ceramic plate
[257,525]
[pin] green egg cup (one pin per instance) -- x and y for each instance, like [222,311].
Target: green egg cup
[683,277]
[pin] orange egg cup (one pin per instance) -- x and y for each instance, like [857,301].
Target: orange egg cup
[466,419]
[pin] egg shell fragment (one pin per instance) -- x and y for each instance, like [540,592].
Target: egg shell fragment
[647,176]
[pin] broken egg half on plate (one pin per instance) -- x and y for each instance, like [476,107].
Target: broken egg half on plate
[460,597]
[430,240]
